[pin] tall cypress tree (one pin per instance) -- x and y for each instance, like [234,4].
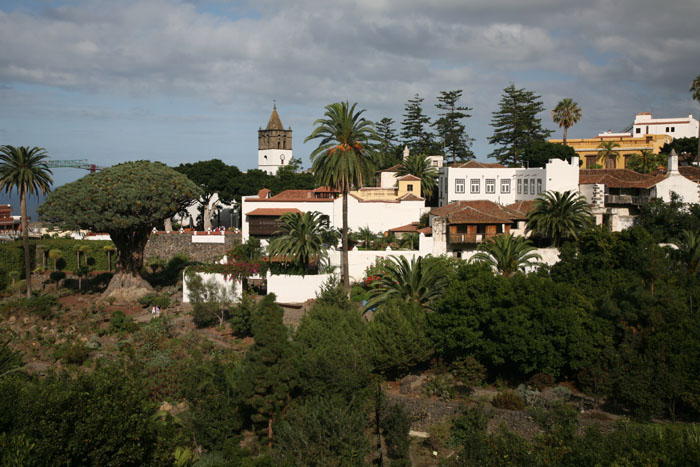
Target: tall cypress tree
[267,375]
[415,128]
[516,124]
[449,127]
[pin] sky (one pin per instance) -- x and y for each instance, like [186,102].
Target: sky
[180,81]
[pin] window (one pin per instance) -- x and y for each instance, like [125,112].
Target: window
[475,186]
[433,163]
[590,161]
[505,185]
[532,186]
[525,190]
[409,187]
[638,130]
[667,129]
[520,186]
[539,186]
[459,185]
[490,186]
[673,129]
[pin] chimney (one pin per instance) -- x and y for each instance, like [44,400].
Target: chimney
[672,166]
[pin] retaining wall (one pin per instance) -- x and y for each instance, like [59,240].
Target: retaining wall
[165,246]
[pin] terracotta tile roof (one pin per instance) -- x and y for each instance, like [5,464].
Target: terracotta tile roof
[412,227]
[426,231]
[294,195]
[522,207]
[264,193]
[477,212]
[476,165]
[393,168]
[409,177]
[276,212]
[411,197]
[619,178]
[690,172]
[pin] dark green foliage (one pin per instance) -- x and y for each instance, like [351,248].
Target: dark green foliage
[665,221]
[395,424]
[397,337]
[469,371]
[450,129]
[516,125]
[538,153]
[415,129]
[171,273]
[243,314]
[102,418]
[72,353]
[441,385]
[323,431]
[151,300]
[10,361]
[121,323]
[11,259]
[688,146]
[469,434]
[389,150]
[334,355]
[333,294]
[266,376]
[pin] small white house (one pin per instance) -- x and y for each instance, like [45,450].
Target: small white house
[676,127]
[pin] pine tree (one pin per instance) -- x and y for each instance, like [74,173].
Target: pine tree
[388,149]
[267,375]
[449,127]
[516,124]
[414,128]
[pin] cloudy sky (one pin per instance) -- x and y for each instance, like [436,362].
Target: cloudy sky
[180,81]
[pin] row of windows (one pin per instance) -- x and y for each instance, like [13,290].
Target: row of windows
[534,186]
[671,129]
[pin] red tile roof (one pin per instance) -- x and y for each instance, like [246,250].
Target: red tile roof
[272,212]
[295,195]
[690,172]
[409,177]
[411,197]
[477,212]
[619,178]
[264,193]
[522,207]
[426,231]
[476,165]
[393,168]
[412,227]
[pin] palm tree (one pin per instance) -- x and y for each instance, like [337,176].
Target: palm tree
[507,254]
[81,250]
[422,281]
[25,170]
[55,255]
[565,114]
[689,250]
[560,215]
[607,152]
[344,158]
[695,90]
[366,236]
[300,238]
[410,240]
[419,165]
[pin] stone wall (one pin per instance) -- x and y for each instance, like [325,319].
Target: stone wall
[425,412]
[165,246]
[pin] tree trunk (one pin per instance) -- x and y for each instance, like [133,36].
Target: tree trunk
[345,265]
[168,225]
[109,260]
[207,217]
[127,285]
[78,258]
[269,432]
[565,135]
[25,239]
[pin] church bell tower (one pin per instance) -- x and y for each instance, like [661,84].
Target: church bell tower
[274,144]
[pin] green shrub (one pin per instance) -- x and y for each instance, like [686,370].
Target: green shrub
[43,306]
[441,385]
[540,381]
[396,423]
[508,400]
[242,316]
[151,300]
[469,371]
[204,314]
[121,323]
[469,433]
[72,352]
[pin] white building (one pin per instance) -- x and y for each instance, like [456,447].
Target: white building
[682,127]
[274,145]
[378,209]
[387,177]
[472,181]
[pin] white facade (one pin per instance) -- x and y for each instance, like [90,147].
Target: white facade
[506,185]
[378,216]
[270,160]
[683,127]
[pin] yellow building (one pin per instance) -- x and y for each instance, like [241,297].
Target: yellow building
[588,148]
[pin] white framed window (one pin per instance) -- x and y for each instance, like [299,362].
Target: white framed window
[505,185]
[475,185]
[532,186]
[525,190]
[520,186]
[539,186]
[459,185]
[490,185]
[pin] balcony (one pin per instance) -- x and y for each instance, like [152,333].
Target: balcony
[469,237]
[627,199]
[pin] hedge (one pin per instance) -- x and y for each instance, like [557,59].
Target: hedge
[12,255]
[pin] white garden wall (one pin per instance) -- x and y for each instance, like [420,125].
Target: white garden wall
[295,289]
